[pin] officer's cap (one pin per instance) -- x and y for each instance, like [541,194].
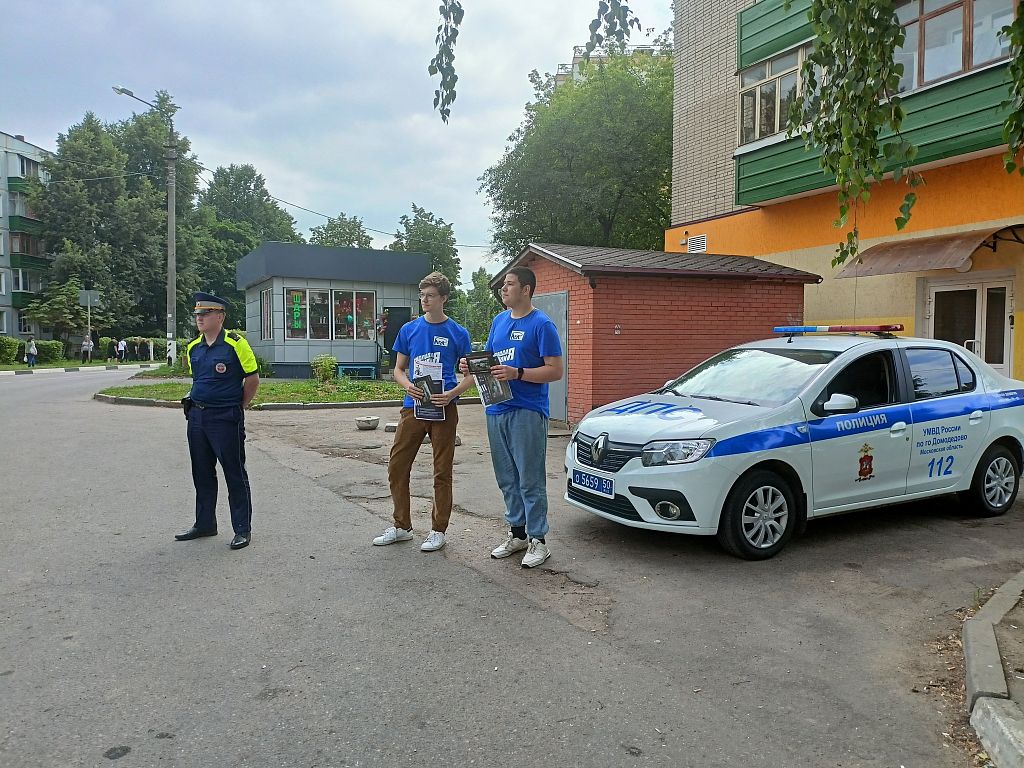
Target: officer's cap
[207,302]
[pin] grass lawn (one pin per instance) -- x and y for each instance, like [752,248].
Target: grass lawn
[304,391]
[63,364]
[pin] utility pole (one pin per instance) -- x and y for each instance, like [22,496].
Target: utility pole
[172,266]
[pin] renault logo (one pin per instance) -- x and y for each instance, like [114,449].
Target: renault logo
[599,448]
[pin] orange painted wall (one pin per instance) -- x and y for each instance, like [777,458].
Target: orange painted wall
[954,195]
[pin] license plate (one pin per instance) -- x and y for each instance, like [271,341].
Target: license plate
[602,486]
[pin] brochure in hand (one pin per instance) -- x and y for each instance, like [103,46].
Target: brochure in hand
[491,390]
[429,383]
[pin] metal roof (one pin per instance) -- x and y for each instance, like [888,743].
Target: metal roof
[592,261]
[274,259]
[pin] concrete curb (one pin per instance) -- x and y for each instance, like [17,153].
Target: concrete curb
[148,401]
[997,719]
[41,371]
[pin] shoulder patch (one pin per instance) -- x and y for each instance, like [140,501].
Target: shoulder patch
[234,336]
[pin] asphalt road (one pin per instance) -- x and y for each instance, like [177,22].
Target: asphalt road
[311,648]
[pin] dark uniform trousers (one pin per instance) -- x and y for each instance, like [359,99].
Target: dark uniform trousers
[218,434]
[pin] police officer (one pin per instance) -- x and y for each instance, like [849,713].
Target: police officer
[224,382]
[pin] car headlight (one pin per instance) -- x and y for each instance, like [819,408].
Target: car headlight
[665,452]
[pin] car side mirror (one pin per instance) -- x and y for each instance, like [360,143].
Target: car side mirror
[840,403]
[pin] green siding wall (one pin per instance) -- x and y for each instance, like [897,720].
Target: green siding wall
[951,119]
[765,29]
[23,224]
[17,184]
[24,261]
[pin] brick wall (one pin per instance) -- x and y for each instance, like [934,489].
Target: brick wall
[552,278]
[704,110]
[668,325]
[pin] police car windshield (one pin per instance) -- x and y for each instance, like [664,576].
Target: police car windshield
[766,377]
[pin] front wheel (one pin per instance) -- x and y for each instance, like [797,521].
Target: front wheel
[758,517]
[995,483]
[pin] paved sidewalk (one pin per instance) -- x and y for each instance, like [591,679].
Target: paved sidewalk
[127,367]
[994,656]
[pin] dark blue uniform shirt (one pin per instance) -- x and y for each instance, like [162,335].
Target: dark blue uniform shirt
[219,368]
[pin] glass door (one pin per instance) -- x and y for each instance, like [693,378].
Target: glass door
[976,316]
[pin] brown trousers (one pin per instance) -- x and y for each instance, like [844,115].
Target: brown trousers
[408,439]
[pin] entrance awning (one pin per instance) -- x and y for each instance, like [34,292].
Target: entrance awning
[918,254]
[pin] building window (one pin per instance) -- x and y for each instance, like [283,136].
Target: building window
[767,90]
[295,313]
[3,321]
[24,324]
[338,315]
[266,314]
[29,168]
[26,244]
[946,38]
[319,314]
[17,204]
[3,282]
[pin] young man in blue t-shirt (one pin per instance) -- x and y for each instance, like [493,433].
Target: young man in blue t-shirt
[429,341]
[525,343]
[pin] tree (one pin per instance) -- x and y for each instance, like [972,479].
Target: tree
[426,233]
[217,247]
[59,309]
[341,232]
[239,193]
[481,306]
[576,171]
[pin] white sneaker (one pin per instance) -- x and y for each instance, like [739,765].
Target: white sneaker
[509,546]
[433,542]
[536,553]
[391,535]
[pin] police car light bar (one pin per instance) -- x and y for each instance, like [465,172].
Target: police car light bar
[838,328]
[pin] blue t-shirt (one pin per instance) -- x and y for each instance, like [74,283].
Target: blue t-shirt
[445,343]
[523,342]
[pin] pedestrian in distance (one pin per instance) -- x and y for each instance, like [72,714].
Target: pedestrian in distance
[525,344]
[31,352]
[111,350]
[122,350]
[432,343]
[224,382]
[86,348]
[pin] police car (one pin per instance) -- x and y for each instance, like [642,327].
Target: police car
[756,440]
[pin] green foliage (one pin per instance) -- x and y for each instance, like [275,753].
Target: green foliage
[426,233]
[8,349]
[58,308]
[443,63]
[844,113]
[482,306]
[1013,127]
[324,367]
[341,232]
[239,193]
[50,351]
[611,25]
[577,172]
[264,368]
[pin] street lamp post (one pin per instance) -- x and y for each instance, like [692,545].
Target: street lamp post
[172,157]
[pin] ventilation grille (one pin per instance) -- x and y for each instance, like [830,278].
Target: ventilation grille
[698,244]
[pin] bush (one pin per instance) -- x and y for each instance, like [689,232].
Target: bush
[9,350]
[159,349]
[325,368]
[50,351]
[265,369]
[102,352]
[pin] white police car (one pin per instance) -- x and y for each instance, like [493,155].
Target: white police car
[751,443]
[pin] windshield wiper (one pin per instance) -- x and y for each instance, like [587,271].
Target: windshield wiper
[724,399]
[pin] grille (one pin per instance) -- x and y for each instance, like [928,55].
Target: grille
[620,506]
[614,459]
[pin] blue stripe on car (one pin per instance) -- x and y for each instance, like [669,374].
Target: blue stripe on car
[874,420]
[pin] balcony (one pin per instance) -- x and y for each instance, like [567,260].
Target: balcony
[25,261]
[25,224]
[21,299]
[17,184]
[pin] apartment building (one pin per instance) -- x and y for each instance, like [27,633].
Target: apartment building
[23,260]
[740,186]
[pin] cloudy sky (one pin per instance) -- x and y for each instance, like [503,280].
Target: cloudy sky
[330,100]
